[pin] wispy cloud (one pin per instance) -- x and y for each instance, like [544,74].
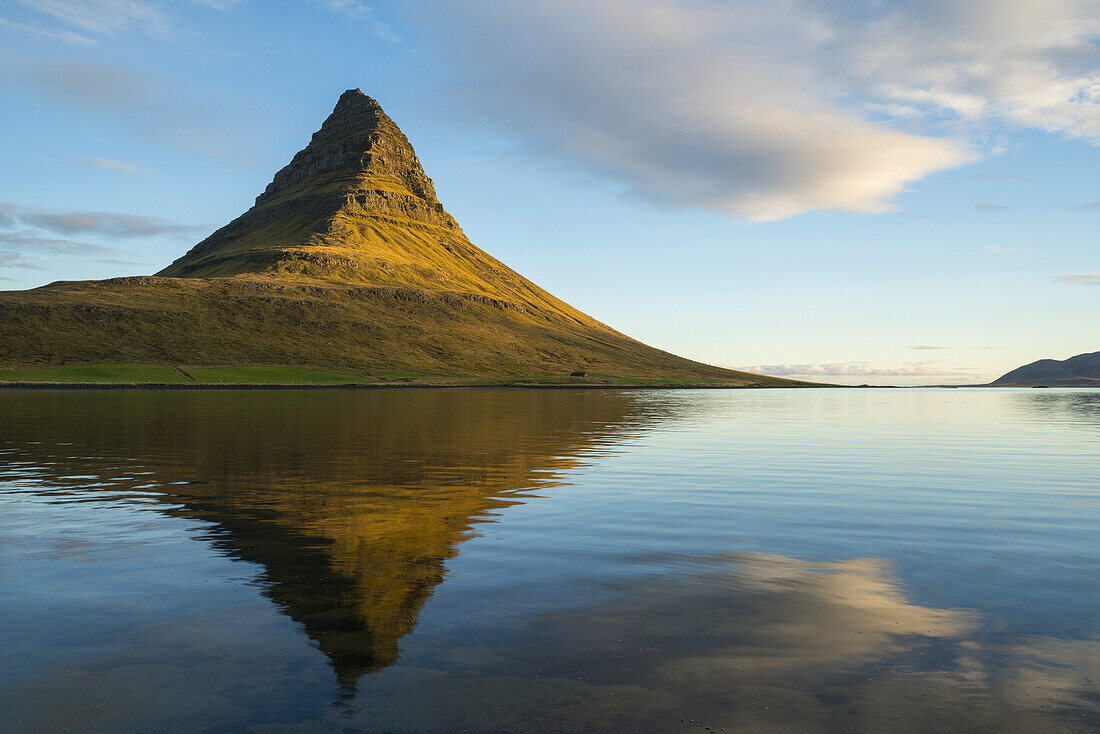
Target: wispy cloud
[105,16]
[990,207]
[16,260]
[15,245]
[101,88]
[765,109]
[69,37]
[33,243]
[365,15]
[857,369]
[1089,206]
[996,250]
[104,224]
[218,4]
[25,248]
[1081,279]
[164,110]
[924,346]
[109,164]
[98,87]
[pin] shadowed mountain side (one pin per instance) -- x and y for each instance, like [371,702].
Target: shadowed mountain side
[349,503]
[346,260]
[1082,370]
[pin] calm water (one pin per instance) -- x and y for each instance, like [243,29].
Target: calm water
[540,561]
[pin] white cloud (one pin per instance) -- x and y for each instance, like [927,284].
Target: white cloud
[1034,63]
[859,369]
[770,109]
[1081,278]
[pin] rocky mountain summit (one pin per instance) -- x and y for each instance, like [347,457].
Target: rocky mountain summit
[347,259]
[359,164]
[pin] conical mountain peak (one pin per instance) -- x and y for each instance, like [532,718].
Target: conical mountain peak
[358,137]
[335,211]
[355,206]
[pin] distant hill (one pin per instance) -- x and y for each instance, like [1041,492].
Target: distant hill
[347,260]
[1080,371]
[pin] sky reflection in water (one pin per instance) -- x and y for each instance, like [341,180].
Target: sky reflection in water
[489,560]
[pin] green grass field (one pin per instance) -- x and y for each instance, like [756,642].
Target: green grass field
[145,374]
[161,374]
[265,375]
[108,373]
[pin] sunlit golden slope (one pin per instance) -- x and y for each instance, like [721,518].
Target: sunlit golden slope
[356,207]
[346,260]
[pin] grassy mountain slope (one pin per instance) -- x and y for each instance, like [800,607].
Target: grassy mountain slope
[347,261]
[1082,370]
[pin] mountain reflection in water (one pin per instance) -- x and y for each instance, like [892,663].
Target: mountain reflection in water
[956,595]
[351,502]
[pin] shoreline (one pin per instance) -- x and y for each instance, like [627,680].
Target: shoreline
[122,386]
[376,386]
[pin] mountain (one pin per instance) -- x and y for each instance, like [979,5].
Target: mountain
[1080,371]
[347,260]
[354,206]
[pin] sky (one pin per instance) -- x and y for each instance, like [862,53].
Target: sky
[856,192]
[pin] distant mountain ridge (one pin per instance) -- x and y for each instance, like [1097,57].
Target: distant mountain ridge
[348,260]
[1082,370]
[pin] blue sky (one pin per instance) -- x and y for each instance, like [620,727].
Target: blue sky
[891,193]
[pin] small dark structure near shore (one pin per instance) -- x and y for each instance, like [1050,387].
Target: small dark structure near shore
[581,373]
